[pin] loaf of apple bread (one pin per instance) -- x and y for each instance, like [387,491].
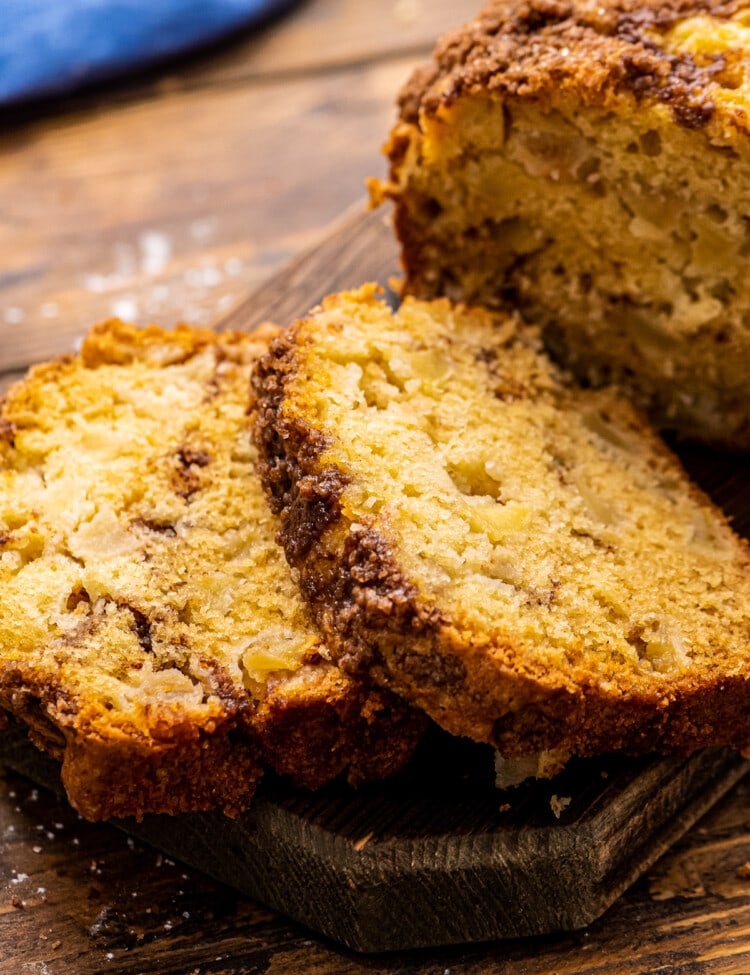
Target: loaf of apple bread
[151,636]
[522,558]
[589,163]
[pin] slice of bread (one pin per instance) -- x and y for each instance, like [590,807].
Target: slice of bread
[522,558]
[150,634]
[589,164]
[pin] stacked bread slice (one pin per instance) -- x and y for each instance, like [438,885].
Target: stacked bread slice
[522,558]
[472,534]
[151,636]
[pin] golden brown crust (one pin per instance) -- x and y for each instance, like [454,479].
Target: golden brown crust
[598,53]
[377,621]
[197,737]
[313,745]
[176,766]
[571,160]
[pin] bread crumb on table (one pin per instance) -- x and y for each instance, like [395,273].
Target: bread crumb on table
[558,804]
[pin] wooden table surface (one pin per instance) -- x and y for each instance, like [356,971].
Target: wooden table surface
[172,198]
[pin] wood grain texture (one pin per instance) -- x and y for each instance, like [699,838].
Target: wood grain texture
[172,200]
[187,203]
[109,905]
[333,33]
[351,865]
[359,247]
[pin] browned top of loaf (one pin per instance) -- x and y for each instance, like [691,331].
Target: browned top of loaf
[523,559]
[150,634]
[598,52]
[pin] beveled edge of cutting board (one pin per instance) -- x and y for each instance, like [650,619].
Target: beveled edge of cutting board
[336,862]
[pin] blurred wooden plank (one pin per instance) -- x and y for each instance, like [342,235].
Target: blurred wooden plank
[315,36]
[330,33]
[351,865]
[359,247]
[7,378]
[175,205]
[175,210]
[90,902]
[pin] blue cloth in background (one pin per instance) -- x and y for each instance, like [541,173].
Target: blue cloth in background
[50,47]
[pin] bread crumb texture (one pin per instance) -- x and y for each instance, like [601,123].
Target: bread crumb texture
[589,163]
[150,633]
[522,558]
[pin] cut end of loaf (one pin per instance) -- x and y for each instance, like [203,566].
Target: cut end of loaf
[589,167]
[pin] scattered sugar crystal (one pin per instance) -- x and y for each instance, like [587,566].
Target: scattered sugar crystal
[207,276]
[156,250]
[125,262]
[211,276]
[202,229]
[407,12]
[49,309]
[96,283]
[13,316]
[160,292]
[125,308]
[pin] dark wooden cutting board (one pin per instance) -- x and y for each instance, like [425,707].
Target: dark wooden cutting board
[439,856]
